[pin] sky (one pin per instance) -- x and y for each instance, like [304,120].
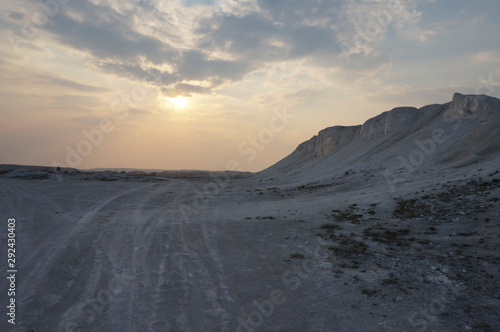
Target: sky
[224,84]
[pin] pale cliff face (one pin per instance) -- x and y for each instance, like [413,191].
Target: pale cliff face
[393,133]
[331,138]
[463,106]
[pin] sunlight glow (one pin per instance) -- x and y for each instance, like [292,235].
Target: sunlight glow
[179,103]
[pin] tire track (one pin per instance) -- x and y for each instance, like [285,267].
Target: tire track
[63,259]
[112,242]
[41,268]
[177,277]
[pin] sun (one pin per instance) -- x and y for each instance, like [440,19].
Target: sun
[179,103]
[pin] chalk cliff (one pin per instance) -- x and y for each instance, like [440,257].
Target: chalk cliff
[391,133]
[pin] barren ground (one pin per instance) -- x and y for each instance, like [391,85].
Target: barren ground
[249,255]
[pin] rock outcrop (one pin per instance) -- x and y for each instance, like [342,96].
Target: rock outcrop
[467,118]
[463,106]
[394,121]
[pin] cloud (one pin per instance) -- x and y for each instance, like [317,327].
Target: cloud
[487,57]
[106,34]
[196,47]
[70,101]
[182,89]
[16,16]
[136,72]
[86,121]
[366,23]
[47,79]
[195,66]
[238,8]
[320,13]
[190,3]
[139,111]
[246,57]
[282,98]
[118,48]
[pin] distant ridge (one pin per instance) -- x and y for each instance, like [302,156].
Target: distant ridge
[454,134]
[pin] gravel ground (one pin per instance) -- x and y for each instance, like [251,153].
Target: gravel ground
[248,254]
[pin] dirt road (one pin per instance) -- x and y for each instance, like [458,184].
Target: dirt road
[180,255]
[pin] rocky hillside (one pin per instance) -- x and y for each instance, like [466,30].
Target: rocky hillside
[402,141]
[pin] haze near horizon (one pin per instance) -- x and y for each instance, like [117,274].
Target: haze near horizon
[200,84]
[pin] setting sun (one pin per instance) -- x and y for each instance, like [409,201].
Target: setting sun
[179,102]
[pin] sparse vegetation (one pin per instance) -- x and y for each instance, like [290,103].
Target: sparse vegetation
[297,255]
[369,291]
[311,187]
[392,280]
[348,215]
[330,226]
[387,236]
[410,208]
[347,247]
